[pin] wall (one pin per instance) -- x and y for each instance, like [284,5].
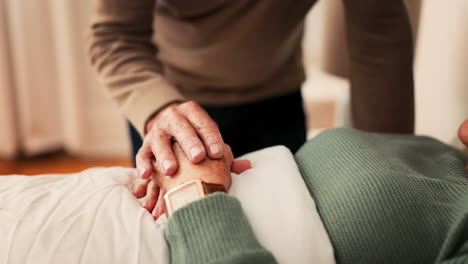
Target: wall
[441,64]
[442,69]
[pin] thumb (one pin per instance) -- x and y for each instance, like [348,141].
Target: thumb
[239,166]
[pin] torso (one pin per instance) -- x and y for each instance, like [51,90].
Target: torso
[230,46]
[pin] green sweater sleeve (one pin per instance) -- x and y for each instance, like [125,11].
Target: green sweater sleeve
[388,198]
[455,249]
[214,229]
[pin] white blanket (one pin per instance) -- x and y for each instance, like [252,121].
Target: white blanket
[92,217]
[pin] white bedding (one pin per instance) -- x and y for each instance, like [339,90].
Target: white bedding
[92,217]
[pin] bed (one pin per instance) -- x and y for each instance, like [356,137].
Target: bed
[92,217]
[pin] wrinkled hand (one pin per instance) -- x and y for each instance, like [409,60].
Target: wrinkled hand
[463,132]
[186,123]
[209,170]
[463,135]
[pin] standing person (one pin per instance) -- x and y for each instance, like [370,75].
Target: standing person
[209,72]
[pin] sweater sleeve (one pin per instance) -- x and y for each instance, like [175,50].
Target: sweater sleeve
[381,65]
[121,50]
[214,229]
[455,248]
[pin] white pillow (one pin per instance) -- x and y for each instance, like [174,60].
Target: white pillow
[92,217]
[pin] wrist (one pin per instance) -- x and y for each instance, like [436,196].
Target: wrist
[189,192]
[199,231]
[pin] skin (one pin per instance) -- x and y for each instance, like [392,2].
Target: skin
[463,135]
[463,132]
[197,134]
[381,50]
[209,170]
[187,123]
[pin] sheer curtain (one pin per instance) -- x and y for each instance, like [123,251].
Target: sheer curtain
[8,137]
[50,98]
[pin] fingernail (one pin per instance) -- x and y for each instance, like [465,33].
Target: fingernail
[215,149]
[167,164]
[195,151]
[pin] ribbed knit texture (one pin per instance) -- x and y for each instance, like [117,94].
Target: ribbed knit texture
[214,230]
[382,198]
[388,198]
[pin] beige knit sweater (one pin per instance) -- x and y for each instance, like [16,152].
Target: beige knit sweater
[149,53]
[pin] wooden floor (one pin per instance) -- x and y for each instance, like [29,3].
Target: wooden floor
[58,162]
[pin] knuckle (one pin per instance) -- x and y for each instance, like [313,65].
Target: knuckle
[173,126]
[169,112]
[157,137]
[190,142]
[179,126]
[203,121]
[205,124]
[146,142]
[191,104]
[209,126]
[143,153]
[213,138]
[163,153]
[139,160]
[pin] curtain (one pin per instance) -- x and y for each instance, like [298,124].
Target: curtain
[8,138]
[52,100]
[49,97]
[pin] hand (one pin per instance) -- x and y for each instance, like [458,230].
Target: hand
[463,135]
[463,132]
[186,123]
[211,171]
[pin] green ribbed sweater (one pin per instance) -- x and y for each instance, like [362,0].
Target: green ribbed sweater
[382,198]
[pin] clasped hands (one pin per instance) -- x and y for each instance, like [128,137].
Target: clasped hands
[174,152]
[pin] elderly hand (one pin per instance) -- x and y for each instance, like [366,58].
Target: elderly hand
[463,135]
[186,123]
[463,132]
[209,170]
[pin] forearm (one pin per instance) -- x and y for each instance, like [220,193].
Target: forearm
[381,51]
[122,53]
[214,230]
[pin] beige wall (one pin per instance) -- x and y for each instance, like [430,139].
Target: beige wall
[441,62]
[442,69]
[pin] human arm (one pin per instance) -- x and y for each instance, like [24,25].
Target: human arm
[381,66]
[213,229]
[124,56]
[121,51]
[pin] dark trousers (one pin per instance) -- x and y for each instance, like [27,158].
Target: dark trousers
[249,127]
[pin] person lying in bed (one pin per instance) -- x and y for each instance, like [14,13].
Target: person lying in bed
[382,198]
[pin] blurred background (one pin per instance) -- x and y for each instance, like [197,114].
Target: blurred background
[55,117]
